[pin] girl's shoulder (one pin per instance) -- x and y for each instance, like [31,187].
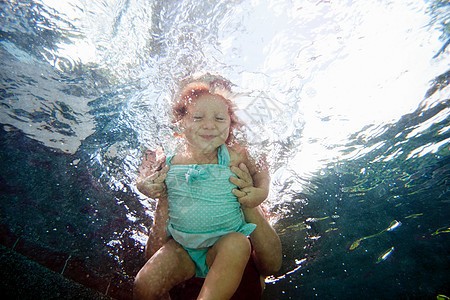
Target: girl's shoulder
[178,159]
[238,154]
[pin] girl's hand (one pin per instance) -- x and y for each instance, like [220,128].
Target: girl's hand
[247,194]
[153,186]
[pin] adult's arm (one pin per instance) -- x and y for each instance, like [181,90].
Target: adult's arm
[158,236]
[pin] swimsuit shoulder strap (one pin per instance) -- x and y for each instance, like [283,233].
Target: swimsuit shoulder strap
[169,159]
[223,156]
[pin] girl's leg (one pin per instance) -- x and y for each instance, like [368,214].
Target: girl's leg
[227,259]
[169,266]
[266,243]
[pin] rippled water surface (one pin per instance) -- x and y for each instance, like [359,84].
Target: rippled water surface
[349,100]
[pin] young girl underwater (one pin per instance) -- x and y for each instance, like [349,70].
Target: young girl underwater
[208,192]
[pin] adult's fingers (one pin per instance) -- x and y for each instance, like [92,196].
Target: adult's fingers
[160,159]
[153,190]
[242,172]
[239,193]
[159,176]
[244,179]
[240,183]
[158,188]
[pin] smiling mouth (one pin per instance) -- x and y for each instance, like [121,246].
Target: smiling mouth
[208,137]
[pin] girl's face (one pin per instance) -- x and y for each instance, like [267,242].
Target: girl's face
[206,124]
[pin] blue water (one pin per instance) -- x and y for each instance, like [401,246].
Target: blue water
[352,112]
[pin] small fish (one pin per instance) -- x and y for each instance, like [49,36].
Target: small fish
[355,244]
[394,224]
[298,226]
[385,255]
[414,216]
[316,219]
[330,229]
[441,230]
[442,297]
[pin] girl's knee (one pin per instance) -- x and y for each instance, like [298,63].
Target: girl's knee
[237,243]
[233,248]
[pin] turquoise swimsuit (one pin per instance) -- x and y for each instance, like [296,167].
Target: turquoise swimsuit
[202,207]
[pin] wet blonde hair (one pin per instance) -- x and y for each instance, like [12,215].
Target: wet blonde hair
[193,88]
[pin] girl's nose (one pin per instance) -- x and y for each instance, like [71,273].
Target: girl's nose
[208,124]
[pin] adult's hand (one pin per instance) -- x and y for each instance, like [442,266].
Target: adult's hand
[248,195]
[153,186]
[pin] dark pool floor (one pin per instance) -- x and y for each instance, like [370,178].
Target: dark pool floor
[30,271]
[22,278]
